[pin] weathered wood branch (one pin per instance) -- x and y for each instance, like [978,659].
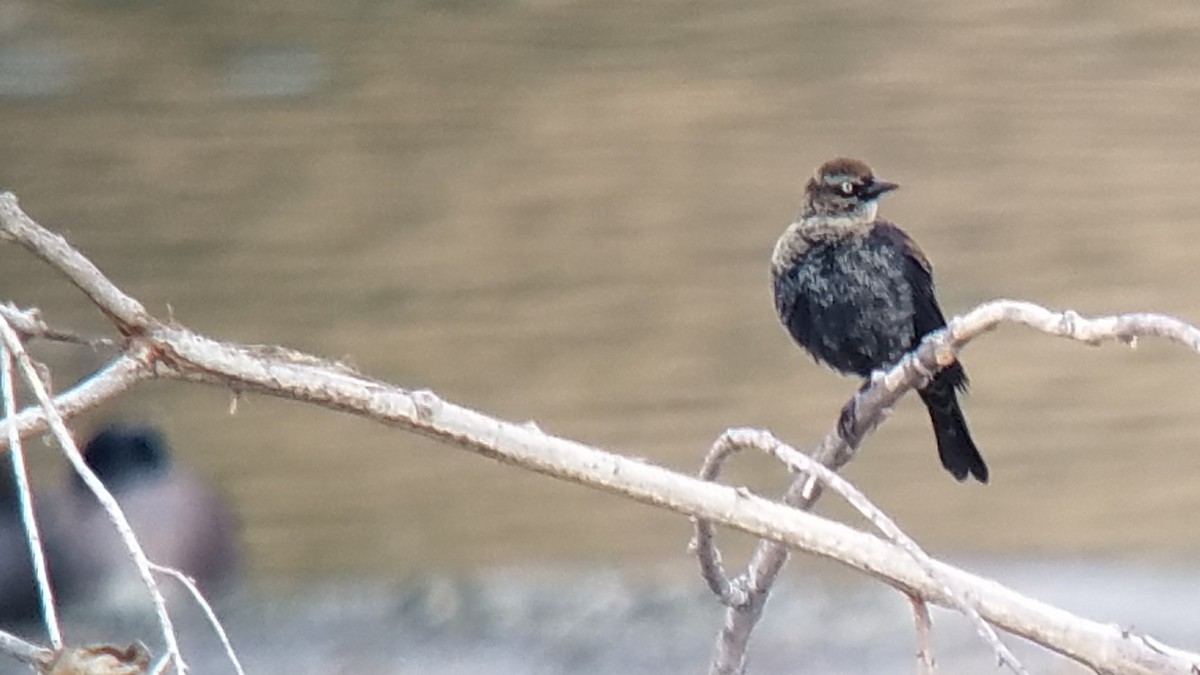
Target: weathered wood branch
[735,440]
[869,407]
[154,348]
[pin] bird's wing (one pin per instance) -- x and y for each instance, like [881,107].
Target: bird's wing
[927,314]
[919,273]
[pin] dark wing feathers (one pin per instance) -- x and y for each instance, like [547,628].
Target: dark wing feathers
[928,314]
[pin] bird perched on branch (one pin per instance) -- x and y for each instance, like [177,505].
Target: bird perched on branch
[857,293]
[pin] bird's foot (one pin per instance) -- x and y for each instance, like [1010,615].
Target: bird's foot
[846,423]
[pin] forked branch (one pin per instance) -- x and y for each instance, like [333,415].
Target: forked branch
[152,348]
[869,407]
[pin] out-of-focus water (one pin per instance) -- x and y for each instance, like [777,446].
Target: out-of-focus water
[604,622]
[563,211]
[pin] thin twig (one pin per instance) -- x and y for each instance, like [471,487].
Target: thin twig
[128,314]
[37,553]
[115,515]
[712,570]
[190,584]
[729,591]
[925,661]
[735,440]
[157,349]
[29,324]
[109,382]
[23,651]
[803,463]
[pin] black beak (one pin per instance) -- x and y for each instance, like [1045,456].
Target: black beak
[879,187]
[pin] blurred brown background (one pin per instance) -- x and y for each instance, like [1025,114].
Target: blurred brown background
[563,211]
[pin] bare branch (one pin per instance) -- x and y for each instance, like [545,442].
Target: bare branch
[869,407]
[158,349]
[58,426]
[731,592]
[190,584]
[925,662]
[734,440]
[128,314]
[37,553]
[23,651]
[114,379]
[29,324]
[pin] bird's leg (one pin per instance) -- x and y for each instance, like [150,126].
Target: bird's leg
[846,423]
[848,417]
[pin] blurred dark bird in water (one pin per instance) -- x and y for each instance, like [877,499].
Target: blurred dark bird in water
[857,293]
[179,518]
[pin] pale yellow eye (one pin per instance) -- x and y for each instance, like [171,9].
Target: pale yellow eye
[847,188]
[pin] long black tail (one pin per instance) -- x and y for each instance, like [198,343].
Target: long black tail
[955,447]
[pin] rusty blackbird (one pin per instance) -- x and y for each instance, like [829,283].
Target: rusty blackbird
[857,293]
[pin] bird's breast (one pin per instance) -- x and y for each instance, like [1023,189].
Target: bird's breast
[849,304]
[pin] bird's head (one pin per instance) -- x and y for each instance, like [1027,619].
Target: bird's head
[845,188]
[120,455]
